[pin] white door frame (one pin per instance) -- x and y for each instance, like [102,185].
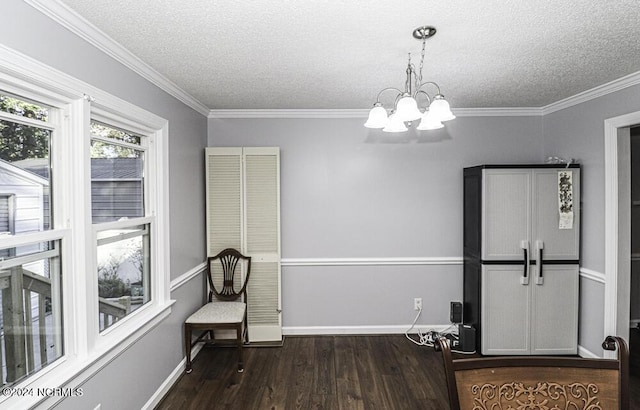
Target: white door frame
[617,224]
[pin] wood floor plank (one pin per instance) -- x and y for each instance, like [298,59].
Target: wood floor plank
[347,382]
[370,373]
[414,364]
[324,375]
[274,394]
[300,384]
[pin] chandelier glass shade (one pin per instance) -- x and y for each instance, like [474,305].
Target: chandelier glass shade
[395,124]
[406,109]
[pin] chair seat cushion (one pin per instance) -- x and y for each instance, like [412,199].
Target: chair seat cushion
[219,312]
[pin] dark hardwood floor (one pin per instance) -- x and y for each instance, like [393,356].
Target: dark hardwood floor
[321,372]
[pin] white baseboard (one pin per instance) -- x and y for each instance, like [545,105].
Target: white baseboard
[171,380]
[356,330]
[582,352]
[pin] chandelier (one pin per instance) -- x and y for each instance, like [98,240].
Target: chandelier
[405,108]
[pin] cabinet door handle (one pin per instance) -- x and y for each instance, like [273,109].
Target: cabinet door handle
[540,262]
[524,280]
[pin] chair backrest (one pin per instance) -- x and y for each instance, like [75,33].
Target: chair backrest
[538,382]
[229,259]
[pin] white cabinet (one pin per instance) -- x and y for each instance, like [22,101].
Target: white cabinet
[243,212]
[521,245]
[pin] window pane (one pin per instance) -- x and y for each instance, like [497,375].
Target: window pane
[23,108]
[25,182]
[105,131]
[117,183]
[31,313]
[123,272]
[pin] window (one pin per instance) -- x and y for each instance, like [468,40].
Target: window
[83,227]
[30,275]
[117,201]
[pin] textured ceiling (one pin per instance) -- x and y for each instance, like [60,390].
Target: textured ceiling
[323,54]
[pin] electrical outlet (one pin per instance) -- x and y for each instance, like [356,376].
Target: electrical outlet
[417,303]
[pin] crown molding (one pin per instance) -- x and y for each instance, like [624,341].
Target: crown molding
[288,113]
[78,25]
[498,112]
[363,113]
[599,91]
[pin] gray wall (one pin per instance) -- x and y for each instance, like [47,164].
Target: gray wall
[578,132]
[349,192]
[138,372]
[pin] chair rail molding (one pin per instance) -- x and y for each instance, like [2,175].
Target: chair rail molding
[593,275]
[371,261]
[187,276]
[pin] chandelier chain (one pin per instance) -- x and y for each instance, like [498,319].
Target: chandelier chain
[424,43]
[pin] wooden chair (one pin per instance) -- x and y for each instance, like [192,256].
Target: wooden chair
[538,382]
[227,310]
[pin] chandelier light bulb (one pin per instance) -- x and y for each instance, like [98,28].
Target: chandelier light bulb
[395,124]
[407,109]
[440,108]
[429,122]
[377,117]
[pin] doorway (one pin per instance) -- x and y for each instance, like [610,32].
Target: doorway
[617,147]
[634,299]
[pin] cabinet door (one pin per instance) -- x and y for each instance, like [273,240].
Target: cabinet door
[557,244]
[506,217]
[505,311]
[554,315]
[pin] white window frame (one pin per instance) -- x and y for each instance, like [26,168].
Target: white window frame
[73,104]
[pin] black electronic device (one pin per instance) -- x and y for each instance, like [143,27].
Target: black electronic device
[455,314]
[467,336]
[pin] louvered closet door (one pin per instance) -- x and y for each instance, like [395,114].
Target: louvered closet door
[262,241]
[243,212]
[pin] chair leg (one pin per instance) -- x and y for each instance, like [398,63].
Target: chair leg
[187,346]
[239,341]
